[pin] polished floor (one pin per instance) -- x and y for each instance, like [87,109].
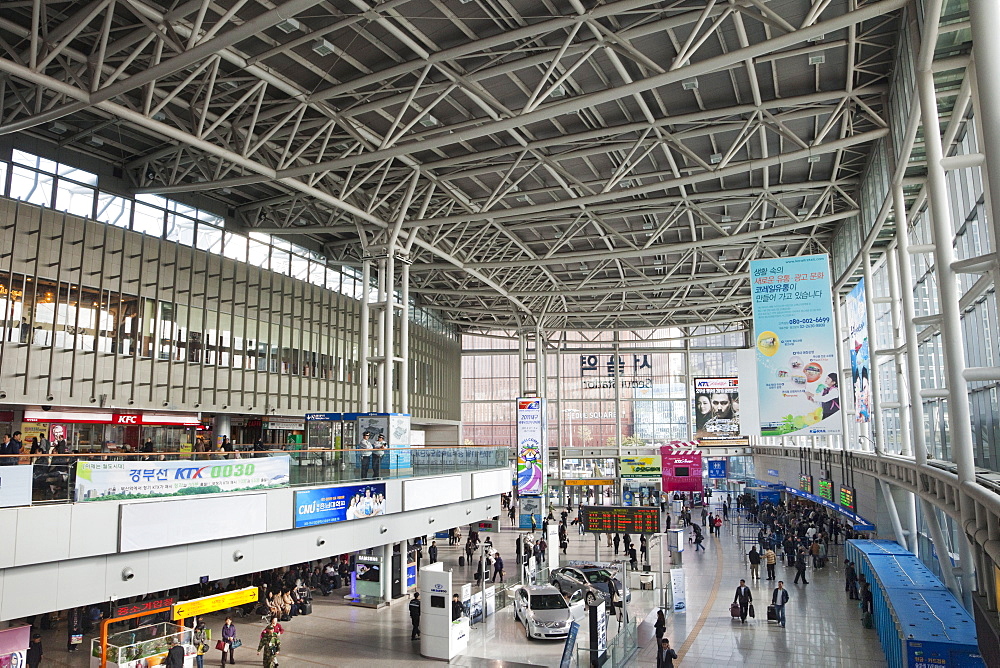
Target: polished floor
[824,628]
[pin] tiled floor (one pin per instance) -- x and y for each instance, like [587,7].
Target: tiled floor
[823,629]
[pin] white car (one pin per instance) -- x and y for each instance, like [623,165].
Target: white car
[544,611]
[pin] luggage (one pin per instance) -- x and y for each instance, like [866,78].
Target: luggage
[461,560]
[306,608]
[734,610]
[867,621]
[751,611]
[772,613]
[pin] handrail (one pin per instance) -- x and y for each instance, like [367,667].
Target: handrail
[240,453]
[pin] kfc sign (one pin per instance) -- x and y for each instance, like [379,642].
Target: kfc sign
[127,419]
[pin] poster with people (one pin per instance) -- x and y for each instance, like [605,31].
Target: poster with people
[338,504]
[861,366]
[716,408]
[798,383]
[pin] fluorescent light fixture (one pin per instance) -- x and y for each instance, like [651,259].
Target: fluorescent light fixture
[288,25]
[803,212]
[817,58]
[321,47]
[428,121]
[583,266]
[812,158]
[690,84]
[95,141]
[715,158]
[727,219]
[558,91]
[59,128]
[159,116]
[524,199]
[647,226]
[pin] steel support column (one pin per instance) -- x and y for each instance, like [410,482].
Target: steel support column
[984,17]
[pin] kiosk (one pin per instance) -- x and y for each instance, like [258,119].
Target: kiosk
[440,637]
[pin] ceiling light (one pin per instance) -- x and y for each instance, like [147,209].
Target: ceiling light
[647,226]
[727,219]
[288,25]
[524,199]
[583,266]
[159,116]
[690,84]
[428,121]
[59,128]
[715,158]
[817,58]
[558,91]
[812,158]
[803,212]
[817,38]
[321,47]
[659,259]
[95,141]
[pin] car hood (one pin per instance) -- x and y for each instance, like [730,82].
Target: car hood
[550,615]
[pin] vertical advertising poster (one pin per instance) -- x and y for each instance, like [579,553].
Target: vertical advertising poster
[861,365]
[678,590]
[682,466]
[797,379]
[716,408]
[532,452]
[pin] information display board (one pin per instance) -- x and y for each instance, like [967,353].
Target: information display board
[609,519]
[825,489]
[847,497]
[806,483]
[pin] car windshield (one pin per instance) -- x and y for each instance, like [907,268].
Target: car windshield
[598,576]
[548,602]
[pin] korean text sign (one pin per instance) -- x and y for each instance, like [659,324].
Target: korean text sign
[338,504]
[798,383]
[106,481]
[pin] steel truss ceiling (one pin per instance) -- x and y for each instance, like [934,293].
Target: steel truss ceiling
[557,164]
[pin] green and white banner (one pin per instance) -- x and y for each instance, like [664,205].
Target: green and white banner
[108,481]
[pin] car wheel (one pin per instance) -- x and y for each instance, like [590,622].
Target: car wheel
[591,599]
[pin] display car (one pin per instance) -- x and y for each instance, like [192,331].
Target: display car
[545,612]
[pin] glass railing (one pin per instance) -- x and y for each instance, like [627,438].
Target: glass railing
[54,475]
[621,649]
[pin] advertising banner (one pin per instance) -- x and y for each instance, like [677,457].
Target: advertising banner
[532,450]
[529,505]
[861,365]
[107,481]
[338,504]
[677,589]
[797,379]
[716,408]
[640,467]
[717,468]
[681,468]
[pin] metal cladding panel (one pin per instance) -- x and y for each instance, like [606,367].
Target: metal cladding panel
[901,571]
[934,629]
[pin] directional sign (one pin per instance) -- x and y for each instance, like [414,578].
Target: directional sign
[207,604]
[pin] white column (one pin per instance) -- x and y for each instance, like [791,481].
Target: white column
[363,345]
[984,17]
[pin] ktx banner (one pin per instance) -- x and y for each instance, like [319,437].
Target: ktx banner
[338,504]
[107,481]
[716,408]
[681,467]
[797,379]
[861,366]
[532,450]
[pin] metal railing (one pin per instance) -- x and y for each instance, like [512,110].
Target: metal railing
[54,475]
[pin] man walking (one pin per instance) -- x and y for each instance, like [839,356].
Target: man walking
[497,567]
[743,598]
[800,567]
[665,655]
[414,608]
[778,599]
[432,552]
[770,558]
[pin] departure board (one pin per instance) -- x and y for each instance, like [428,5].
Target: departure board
[847,497]
[806,483]
[610,519]
[825,489]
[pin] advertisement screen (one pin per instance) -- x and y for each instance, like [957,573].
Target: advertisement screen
[798,383]
[716,408]
[640,467]
[681,465]
[338,504]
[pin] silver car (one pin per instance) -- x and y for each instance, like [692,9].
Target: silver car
[544,611]
[593,581]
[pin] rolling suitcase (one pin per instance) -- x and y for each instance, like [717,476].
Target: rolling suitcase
[461,560]
[306,608]
[734,610]
[772,613]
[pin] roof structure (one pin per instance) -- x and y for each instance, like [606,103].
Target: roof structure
[563,164]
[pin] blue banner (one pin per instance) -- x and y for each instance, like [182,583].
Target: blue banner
[798,383]
[338,504]
[716,468]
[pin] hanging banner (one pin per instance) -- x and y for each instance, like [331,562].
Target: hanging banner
[678,590]
[716,408]
[338,504]
[717,468]
[797,379]
[640,467]
[532,450]
[861,366]
[681,464]
[107,481]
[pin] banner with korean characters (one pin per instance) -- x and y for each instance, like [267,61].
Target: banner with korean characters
[106,481]
[798,383]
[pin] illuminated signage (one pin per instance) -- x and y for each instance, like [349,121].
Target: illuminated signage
[825,489]
[142,606]
[806,483]
[586,482]
[207,604]
[608,519]
[847,497]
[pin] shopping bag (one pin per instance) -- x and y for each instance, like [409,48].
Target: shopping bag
[751,612]
[237,643]
[221,645]
[76,639]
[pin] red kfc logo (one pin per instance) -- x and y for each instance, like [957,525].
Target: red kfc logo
[126,419]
